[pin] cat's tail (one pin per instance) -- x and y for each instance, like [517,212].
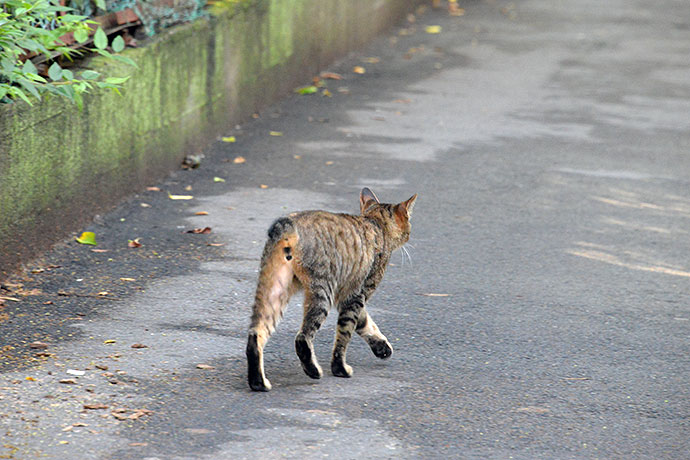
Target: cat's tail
[277,283]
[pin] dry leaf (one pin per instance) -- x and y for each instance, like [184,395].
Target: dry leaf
[144,205]
[326,93]
[138,444]
[30,379]
[297,157]
[103,293]
[215,244]
[68,381]
[38,345]
[204,366]
[328,163]
[13,299]
[197,231]
[95,406]
[134,243]
[359,70]
[239,160]
[99,250]
[331,75]
[127,279]
[153,189]
[263,186]
[139,345]
[201,213]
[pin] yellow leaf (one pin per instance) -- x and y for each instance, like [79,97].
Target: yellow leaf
[239,160]
[276,133]
[229,139]
[263,186]
[359,69]
[218,179]
[180,197]
[201,213]
[87,238]
[433,29]
[30,379]
[127,279]
[326,93]
[109,341]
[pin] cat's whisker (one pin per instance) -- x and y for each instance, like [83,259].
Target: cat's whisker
[404,252]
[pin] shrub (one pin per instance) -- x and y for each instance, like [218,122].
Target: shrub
[32,28]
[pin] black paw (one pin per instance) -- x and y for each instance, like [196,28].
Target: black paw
[306,357]
[341,369]
[381,348]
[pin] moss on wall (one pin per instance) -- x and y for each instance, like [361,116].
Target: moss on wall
[60,166]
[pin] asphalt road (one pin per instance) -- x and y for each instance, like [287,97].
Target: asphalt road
[545,312]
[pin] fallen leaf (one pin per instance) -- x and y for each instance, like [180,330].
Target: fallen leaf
[135,243]
[188,188]
[434,294]
[263,186]
[153,189]
[359,70]
[138,444]
[139,345]
[68,381]
[203,231]
[204,366]
[275,133]
[63,442]
[180,197]
[297,157]
[109,341]
[218,179]
[99,250]
[239,160]
[102,367]
[75,372]
[455,10]
[432,29]
[127,279]
[38,270]
[331,75]
[215,244]
[144,205]
[79,424]
[9,298]
[140,413]
[532,410]
[311,89]
[68,428]
[95,406]
[198,431]
[229,139]
[201,213]
[328,163]
[103,293]
[87,238]
[326,93]
[30,379]
[371,60]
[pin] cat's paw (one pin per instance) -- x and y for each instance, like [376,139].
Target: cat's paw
[341,369]
[260,384]
[382,348]
[306,356]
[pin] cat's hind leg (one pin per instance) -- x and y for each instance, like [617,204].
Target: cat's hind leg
[276,285]
[316,305]
[369,331]
[349,312]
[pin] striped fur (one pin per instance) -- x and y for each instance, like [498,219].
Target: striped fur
[337,260]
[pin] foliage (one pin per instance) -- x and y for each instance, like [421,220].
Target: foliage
[34,27]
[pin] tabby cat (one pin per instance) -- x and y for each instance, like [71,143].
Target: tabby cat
[337,259]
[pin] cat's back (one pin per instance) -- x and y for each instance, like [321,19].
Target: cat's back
[341,246]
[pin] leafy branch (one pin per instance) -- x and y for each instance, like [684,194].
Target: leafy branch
[23,36]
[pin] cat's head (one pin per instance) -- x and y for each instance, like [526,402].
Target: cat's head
[394,218]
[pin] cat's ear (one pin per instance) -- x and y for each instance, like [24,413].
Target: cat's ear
[406,206]
[366,199]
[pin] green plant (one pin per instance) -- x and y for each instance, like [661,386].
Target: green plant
[22,35]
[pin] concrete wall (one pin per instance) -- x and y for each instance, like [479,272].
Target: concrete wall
[60,166]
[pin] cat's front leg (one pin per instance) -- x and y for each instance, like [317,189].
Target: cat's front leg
[349,312]
[369,331]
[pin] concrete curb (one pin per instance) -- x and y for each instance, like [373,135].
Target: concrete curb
[59,167]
